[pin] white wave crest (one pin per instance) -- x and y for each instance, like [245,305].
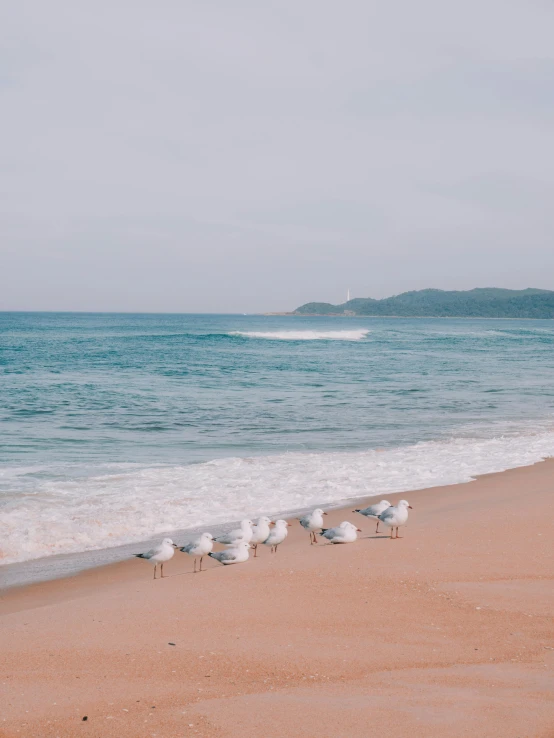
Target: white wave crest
[129,505]
[354,335]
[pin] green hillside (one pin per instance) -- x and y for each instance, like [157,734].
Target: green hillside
[484,302]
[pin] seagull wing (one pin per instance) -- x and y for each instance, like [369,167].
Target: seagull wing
[229,555]
[370,511]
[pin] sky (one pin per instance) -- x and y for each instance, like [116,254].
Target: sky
[249,156]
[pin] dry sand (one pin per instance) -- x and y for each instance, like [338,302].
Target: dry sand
[447,632]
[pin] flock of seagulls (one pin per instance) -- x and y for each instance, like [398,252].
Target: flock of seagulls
[265,531]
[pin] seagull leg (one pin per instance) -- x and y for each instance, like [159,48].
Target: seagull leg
[377,529]
[194,572]
[155,567]
[391,533]
[255,550]
[162,569]
[397,533]
[201,559]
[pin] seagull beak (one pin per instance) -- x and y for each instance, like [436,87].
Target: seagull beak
[410,507]
[175,545]
[326,513]
[359,530]
[289,525]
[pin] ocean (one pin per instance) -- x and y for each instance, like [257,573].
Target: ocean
[118,428]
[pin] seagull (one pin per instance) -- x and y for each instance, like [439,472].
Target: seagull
[373,511]
[234,555]
[311,522]
[244,533]
[160,554]
[277,535]
[396,516]
[260,532]
[200,547]
[344,533]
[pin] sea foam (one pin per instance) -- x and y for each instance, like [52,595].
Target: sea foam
[128,504]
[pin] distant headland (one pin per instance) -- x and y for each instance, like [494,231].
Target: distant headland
[483,302]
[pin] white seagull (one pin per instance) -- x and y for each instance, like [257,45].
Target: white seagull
[312,522]
[396,516]
[260,532]
[160,554]
[200,547]
[373,511]
[277,535]
[244,533]
[234,555]
[344,533]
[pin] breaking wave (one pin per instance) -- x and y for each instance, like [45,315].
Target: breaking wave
[354,335]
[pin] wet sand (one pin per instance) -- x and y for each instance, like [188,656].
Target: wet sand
[448,631]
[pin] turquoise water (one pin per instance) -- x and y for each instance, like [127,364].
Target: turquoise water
[117,427]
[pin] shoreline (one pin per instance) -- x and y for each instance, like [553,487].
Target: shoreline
[62,565]
[447,631]
[95,571]
[400,317]
[69,565]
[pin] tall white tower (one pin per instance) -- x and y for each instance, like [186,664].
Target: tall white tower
[348,295]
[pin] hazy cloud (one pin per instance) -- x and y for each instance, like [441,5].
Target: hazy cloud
[244,156]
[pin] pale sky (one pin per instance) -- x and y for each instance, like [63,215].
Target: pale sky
[216,156]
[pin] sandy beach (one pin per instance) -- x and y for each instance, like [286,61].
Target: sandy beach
[446,632]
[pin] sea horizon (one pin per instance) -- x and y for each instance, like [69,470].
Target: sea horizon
[269,314]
